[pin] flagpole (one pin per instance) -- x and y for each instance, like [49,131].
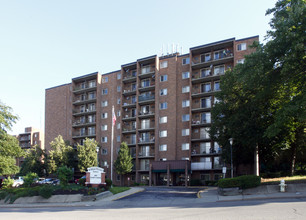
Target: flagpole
[112,143]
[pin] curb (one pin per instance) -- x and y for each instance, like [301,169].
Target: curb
[199,193]
[120,197]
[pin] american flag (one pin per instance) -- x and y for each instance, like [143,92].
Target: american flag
[114,117]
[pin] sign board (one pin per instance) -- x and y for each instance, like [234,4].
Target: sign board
[223,169]
[95,174]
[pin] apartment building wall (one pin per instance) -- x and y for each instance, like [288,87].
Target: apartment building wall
[58,113]
[137,92]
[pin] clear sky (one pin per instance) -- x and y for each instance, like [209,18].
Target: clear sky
[47,43]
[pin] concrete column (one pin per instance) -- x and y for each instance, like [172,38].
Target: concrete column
[168,175]
[150,175]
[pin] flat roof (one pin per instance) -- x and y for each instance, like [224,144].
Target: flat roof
[58,86]
[84,76]
[212,44]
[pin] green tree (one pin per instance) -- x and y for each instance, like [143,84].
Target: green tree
[34,161]
[87,154]
[60,155]
[262,102]
[123,163]
[64,174]
[9,145]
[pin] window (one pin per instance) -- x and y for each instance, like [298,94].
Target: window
[163,92]
[205,148]
[163,120]
[104,115]
[205,72]
[163,105]
[118,113]
[118,88]
[104,151]
[118,138]
[185,158]
[91,84]
[204,133]
[185,75]
[241,46]
[241,61]
[217,86]
[145,124]
[118,101]
[205,87]
[185,117]
[205,118]
[91,130]
[118,75]
[163,64]
[104,91]
[185,132]
[219,70]
[104,103]
[163,147]
[145,69]
[105,79]
[206,102]
[118,125]
[91,107]
[145,83]
[104,139]
[104,127]
[163,133]
[185,89]
[91,119]
[205,57]
[185,146]
[185,61]
[163,78]
[185,103]
[91,95]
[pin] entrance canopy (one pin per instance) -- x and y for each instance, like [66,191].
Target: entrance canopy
[174,166]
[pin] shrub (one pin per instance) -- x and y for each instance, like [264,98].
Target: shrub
[7,183]
[29,179]
[82,181]
[195,182]
[64,175]
[46,192]
[228,183]
[243,182]
[109,183]
[249,181]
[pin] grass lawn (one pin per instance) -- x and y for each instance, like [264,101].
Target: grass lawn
[288,179]
[117,189]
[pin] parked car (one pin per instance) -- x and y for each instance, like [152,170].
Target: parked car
[56,182]
[46,181]
[18,182]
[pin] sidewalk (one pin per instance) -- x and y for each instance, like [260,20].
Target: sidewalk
[210,194]
[73,202]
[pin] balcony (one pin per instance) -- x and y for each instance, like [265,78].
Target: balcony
[147,72]
[146,128]
[83,135]
[128,92]
[201,165]
[146,141]
[197,93]
[146,155]
[83,100]
[128,117]
[204,152]
[198,107]
[145,88]
[129,104]
[128,130]
[197,137]
[83,112]
[83,123]
[129,78]
[200,123]
[85,88]
[198,77]
[146,114]
[146,99]
[201,62]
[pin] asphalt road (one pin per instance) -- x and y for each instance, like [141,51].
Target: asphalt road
[164,203]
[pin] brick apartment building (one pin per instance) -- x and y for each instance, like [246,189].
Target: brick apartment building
[28,139]
[162,105]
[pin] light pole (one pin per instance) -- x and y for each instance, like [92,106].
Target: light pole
[97,149]
[231,143]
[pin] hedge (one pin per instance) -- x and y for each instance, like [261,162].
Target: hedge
[243,182]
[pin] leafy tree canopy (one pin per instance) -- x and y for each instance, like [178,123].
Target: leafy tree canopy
[87,154]
[123,163]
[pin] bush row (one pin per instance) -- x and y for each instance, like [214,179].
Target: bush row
[243,182]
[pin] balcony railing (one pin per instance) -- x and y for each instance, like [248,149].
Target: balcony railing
[146,154]
[196,152]
[83,111]
[201,166]
[87,86]
[143,98]
[146,140]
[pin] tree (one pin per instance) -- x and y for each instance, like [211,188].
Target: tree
[9,145]
[87,154]
[34,161]
[60,155]
[262,102]
[123,163]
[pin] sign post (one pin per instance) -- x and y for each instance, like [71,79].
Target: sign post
[224,171]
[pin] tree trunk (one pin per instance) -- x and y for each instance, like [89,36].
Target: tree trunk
[256,161]
[293,159]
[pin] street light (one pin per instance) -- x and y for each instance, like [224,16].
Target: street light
[231,143]
[97,149]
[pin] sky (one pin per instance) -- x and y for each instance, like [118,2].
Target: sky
[47,43]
